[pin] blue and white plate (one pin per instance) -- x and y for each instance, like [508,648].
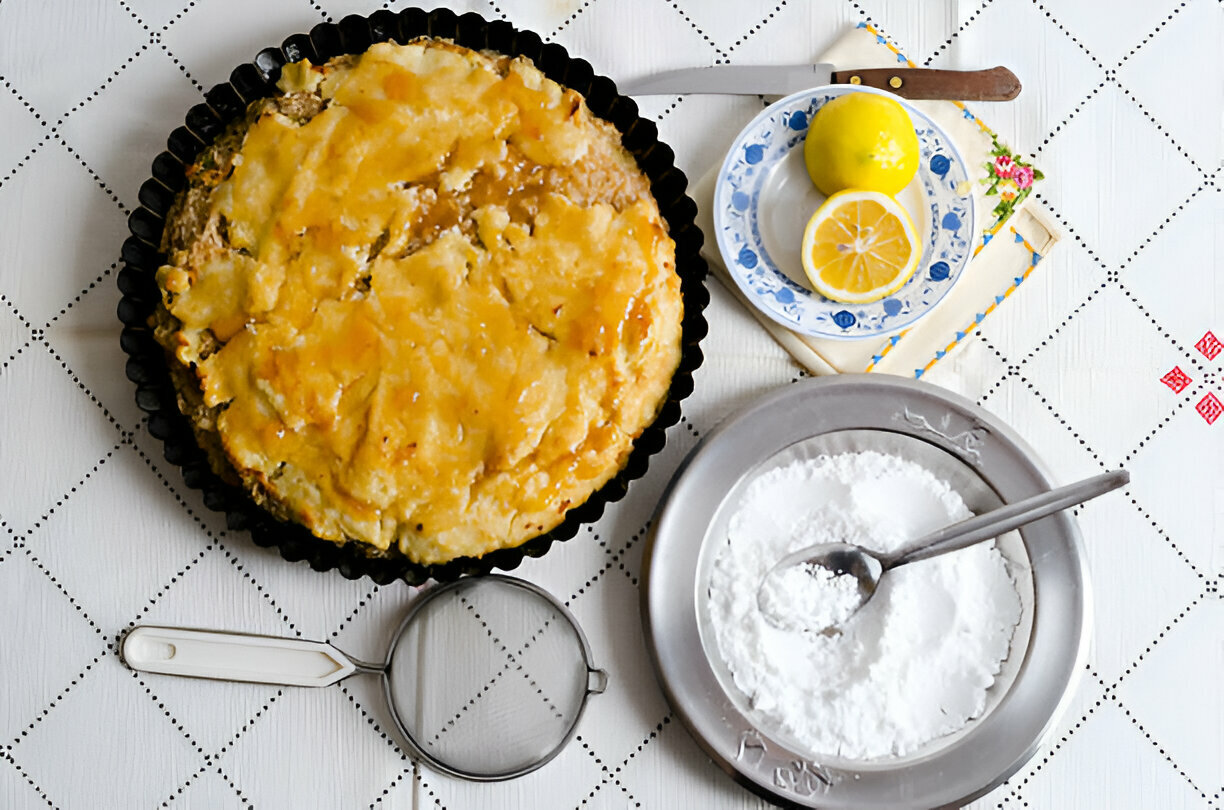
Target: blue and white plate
[763,199]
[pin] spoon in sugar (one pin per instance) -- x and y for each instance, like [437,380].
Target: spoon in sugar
[843,576]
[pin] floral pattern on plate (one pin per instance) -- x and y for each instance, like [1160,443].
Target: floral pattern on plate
[738,205]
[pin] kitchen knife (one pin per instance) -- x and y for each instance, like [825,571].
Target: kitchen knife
[995,84]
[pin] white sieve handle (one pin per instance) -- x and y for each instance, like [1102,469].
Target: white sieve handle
[235,657]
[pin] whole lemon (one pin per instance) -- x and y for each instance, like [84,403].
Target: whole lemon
[863,141]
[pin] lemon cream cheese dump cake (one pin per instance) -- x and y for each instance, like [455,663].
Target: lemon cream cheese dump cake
[422,300]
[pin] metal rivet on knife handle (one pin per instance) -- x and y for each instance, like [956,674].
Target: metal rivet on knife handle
[894,82]
[855,80]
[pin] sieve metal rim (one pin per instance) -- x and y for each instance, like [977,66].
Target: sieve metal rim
[596,677]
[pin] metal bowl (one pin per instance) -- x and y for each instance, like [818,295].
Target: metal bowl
[988,464]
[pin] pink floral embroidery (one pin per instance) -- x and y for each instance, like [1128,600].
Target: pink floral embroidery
[1009,178]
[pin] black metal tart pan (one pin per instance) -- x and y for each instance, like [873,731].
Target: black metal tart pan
[146,364]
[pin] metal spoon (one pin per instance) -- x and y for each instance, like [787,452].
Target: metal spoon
[867,567]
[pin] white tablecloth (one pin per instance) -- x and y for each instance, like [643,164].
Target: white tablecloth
[1122,104]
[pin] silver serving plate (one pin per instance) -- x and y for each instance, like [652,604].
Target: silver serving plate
[981,458]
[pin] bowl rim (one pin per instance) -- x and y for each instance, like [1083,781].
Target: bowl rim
[724,250]
[146,364]
[672,594]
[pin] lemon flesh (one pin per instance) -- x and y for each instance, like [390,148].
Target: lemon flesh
[860,246]
[863,141]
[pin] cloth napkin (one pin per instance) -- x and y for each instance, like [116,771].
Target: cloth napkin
[1015,235]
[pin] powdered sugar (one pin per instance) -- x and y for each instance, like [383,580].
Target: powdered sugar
[808,597]
[915,662]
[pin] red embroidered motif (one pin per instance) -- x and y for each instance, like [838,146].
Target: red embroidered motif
[1209,408]
[1209,345]
[1176,379]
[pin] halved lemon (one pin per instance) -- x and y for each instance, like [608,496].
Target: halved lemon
[860,246]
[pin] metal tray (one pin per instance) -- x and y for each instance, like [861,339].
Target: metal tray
[988,464]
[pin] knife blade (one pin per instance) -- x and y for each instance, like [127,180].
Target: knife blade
[994,84]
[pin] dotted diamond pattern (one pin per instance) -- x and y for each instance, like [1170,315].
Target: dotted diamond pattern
[1108,357]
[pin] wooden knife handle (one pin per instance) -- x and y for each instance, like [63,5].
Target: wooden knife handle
[995,84]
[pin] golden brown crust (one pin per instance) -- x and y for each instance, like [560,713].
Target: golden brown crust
[423,300]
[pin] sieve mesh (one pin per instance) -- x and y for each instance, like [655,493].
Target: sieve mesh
[488,677]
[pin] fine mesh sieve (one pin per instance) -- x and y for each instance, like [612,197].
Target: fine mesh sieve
[485,677]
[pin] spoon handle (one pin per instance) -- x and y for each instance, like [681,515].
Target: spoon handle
[1004,519]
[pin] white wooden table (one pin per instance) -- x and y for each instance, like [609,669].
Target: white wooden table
[1122,105]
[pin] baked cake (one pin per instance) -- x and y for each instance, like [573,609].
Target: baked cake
[421,300]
